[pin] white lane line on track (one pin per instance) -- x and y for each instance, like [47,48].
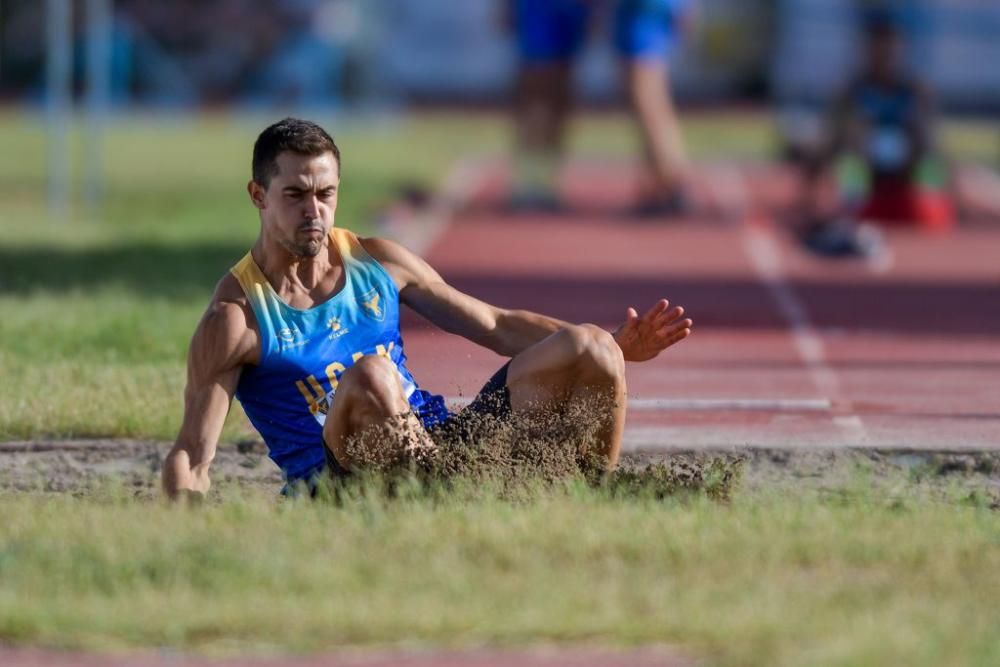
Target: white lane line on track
[762,249]
[725,185]
[708,404]
[423,231]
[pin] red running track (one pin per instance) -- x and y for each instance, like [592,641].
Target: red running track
[788,351]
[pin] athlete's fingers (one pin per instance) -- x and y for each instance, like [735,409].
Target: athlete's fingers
[673,337]
[631,324]
[676,337]
[656,309]
[668,316]
[672,327]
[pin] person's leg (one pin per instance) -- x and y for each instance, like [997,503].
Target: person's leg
[370,400]
[645,33]
[542,106]
[648,89]
[580,364]
[549,34]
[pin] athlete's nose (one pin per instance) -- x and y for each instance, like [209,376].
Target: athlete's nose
[312,207]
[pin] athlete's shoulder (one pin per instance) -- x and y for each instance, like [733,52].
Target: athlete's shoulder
[227,334]
[404,265]
[229,291]
[383,249]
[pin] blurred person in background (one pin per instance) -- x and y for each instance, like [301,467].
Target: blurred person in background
[550,34]
[882,120]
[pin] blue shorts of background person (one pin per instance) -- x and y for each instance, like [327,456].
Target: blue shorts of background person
[550,30]
[648,29]
[555,30]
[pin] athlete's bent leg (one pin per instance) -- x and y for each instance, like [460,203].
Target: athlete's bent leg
[577,364]
[370,395]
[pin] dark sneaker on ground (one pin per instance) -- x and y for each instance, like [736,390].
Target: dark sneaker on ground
[535,201]
[673,205]
[844,239]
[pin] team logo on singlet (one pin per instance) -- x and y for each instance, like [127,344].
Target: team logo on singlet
[336,328]
[371,304]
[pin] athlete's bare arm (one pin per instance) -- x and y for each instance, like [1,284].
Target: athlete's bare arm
[506,332]
[224,341]
[510,332]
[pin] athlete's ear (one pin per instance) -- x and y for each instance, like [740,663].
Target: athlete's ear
[256,192]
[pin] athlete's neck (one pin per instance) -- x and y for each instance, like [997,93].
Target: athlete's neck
[284,269]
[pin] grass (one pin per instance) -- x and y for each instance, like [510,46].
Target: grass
[853,578]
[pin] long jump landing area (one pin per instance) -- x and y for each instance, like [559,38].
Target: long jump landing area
[788,351]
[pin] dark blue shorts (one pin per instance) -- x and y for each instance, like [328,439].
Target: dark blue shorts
[555,30]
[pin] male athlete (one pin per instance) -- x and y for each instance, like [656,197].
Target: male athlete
[550,35]
[304,331]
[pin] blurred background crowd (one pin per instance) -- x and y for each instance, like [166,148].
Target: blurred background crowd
[332,52]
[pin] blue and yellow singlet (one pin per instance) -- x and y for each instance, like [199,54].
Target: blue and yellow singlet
[287,393]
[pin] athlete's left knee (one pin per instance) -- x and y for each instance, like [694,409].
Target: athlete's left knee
[600,354]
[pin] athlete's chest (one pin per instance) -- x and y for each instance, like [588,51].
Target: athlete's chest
[300,297]
[359,318]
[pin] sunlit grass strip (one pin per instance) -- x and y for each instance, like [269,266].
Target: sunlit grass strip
[856,578]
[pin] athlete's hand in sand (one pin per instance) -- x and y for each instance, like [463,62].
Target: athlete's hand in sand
[642,338]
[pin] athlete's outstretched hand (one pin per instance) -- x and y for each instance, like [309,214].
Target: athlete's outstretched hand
[642,338]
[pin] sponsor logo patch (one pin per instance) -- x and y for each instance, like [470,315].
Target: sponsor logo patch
[336,328]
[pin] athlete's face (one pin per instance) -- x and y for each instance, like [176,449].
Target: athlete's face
[297,207]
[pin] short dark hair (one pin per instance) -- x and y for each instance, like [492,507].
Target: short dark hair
[289,134]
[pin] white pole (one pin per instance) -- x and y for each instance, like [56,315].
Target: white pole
[99,27]
[58,79]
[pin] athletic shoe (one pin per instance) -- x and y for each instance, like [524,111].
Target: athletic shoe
[844,239]
[673,205]
[535,201]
